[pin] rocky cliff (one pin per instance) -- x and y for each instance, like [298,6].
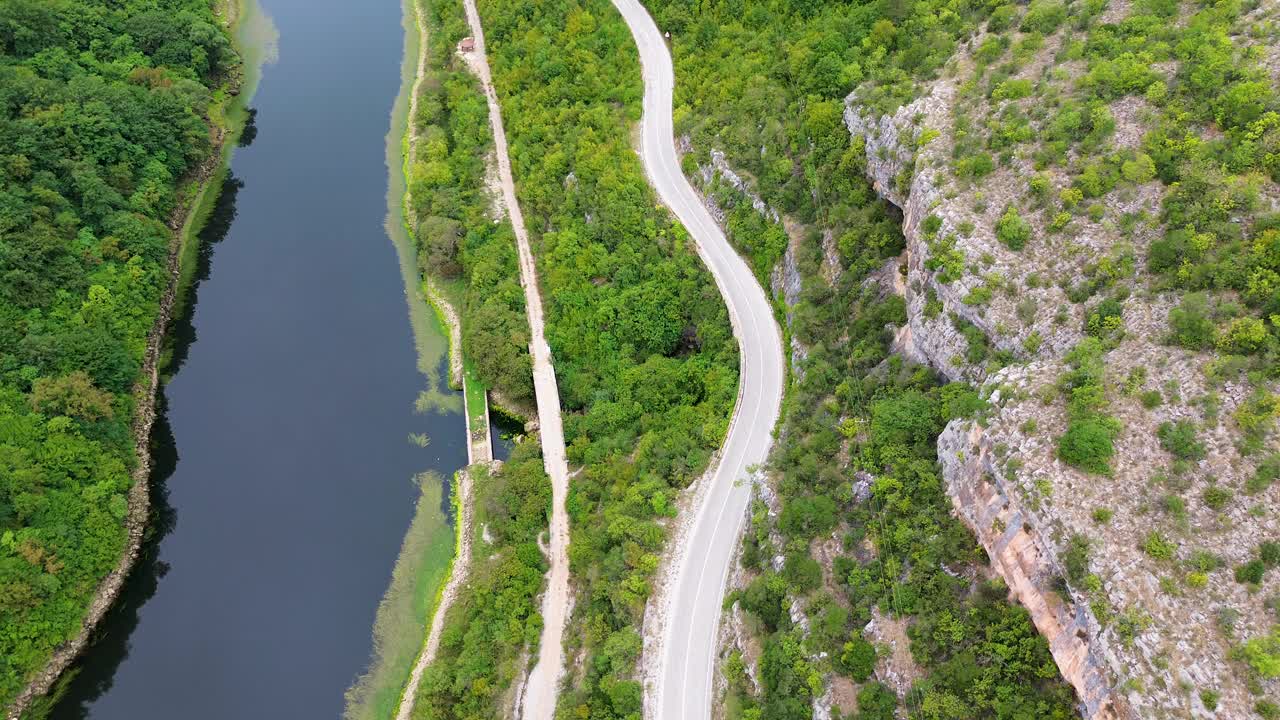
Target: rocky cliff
[1161,641]
[1022,554]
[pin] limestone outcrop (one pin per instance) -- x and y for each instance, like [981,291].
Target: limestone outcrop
[1024,556]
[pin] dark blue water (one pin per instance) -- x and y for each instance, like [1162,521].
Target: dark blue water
[283,469]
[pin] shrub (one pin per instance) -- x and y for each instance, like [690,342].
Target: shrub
[802,573]
[807,517]
[1102,516]
[1043,16]
[1011,90]
[932,224]
[1204,561]
[1269,553]
[1105,319]
[1216,497]
[1262,654]
[858,659]
[1076,559]
[1012,230]
[1151,399]
[1139,169]
[1267,710]
[1039,185]
[1266,474]
[1175,506]
[975,166]
[1210,699]
[1251,572]
[1089,444]
[1158,546]
[876,702]
[1179,439]
[1190,324]
[1243,336]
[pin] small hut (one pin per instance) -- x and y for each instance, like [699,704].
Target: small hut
[467,45]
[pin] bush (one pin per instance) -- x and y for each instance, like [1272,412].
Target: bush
[1138,169]
[802,572]
[1243,336]
[1262,654]
[1251,572]
[1216,497]
[1012,230]
[1158,547]
[1269,553]
[1190,323]
[876,702]
[858,659]
[1266,474]
[1179,439]
[1076,559]
[1089,444]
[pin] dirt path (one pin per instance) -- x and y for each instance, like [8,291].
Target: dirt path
[539,701]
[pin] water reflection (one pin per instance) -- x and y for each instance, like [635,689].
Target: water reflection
[182,329]
[92,676]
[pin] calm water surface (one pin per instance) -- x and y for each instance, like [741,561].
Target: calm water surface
[283,467]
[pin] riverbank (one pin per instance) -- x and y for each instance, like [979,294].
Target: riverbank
[428,562]
[198,192]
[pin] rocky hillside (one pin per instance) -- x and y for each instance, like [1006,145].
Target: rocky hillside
[1088,193]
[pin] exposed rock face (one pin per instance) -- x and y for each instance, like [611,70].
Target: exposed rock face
[1019,552]
[897,668]
[784,281]
[1161,645]
[1025,557]
[916,179]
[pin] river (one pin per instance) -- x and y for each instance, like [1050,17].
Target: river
[284,471]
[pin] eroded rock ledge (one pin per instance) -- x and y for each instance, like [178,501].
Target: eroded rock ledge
[1023,555]
[906,161]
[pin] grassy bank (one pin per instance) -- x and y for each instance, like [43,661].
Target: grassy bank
[405,612]
[256,39]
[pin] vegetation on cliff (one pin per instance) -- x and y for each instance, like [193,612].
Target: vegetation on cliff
[103,112]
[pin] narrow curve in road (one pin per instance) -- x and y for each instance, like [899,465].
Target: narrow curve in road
[687,644]
[544,679]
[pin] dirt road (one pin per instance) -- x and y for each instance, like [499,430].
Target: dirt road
[540,691]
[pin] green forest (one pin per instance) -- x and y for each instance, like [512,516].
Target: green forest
[103,113]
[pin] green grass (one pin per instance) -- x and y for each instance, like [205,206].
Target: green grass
[404,614]
[477,419]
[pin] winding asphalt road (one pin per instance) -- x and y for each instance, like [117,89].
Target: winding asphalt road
[692,615]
